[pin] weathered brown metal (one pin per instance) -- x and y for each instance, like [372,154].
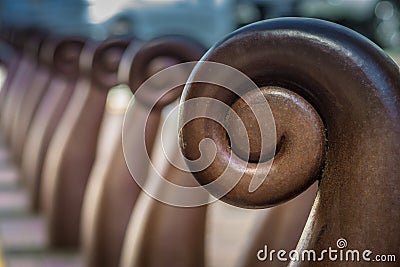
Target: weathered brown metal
[50,108]
[354,87]
[73,148]
[164,222]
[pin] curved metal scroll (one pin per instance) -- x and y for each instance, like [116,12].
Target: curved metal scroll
[354,88]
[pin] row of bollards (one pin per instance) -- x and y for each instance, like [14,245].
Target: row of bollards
[92,174]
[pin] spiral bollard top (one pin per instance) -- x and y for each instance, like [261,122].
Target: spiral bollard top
[338,105]
[173,50]
[106,61]
[63,54]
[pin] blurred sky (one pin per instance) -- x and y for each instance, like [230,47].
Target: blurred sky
[101,10]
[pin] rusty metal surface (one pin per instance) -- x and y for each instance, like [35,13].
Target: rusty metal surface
[354,88]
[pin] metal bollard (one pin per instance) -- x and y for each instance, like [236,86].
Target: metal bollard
[21,80]
[35,89]
[60,57]
[110,190]
[153,225]
[73,147]
[348,91]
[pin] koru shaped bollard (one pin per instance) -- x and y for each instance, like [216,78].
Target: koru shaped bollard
[35,89]
[334,96]
[73,147]
[154,225]
[105,213]
[60,57]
